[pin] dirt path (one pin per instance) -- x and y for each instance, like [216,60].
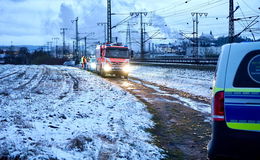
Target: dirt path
[180,130]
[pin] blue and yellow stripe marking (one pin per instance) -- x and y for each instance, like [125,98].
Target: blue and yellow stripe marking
[245,126]
[242,110]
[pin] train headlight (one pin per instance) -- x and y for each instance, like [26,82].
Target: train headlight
[107,68]
[126,68]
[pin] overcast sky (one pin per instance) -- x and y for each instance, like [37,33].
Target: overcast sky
[38,21]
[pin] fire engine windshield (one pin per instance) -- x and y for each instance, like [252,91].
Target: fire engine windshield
[117,53]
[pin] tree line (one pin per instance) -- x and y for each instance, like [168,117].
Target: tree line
[23,56]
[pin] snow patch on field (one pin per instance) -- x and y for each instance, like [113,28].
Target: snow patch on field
[191,81]
[56,112]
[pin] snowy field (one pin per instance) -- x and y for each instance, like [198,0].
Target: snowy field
[64,113]
[191,81]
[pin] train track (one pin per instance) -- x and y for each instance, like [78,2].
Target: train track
[199,61]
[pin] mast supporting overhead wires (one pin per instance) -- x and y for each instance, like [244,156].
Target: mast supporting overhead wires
[56,46]
[142,29]
[196,16]
[63,30]
[77,37]
[231,31]
[105,30]
[109,22]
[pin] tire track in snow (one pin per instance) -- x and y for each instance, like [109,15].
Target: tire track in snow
[30,81]
[12,80]
[59,80]
[65,92]
[24,90]
[11,71]
[5,70]
[43,78]
[75,82]
[21,74]
[8,75]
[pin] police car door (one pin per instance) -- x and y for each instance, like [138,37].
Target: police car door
[242,87]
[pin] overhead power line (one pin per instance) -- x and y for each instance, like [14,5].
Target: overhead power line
[122,22]
[202,6]
[254,10]
[170,7]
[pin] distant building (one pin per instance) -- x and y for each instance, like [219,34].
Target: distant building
[184,47]
[211,51]
[206,40]
[207,46]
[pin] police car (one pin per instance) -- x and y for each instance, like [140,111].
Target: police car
[236,103]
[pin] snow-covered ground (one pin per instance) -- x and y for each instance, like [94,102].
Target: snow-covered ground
[56,112]
[192,81]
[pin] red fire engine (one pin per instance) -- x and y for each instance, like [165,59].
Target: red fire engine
[112,59]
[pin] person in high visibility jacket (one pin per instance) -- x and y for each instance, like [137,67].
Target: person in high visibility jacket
[82,62]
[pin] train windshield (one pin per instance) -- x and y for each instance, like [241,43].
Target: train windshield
[117,53]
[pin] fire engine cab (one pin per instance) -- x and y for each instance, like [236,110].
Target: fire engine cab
[112,59]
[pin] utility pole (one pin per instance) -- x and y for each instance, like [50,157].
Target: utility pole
[128,34]
[193,37]
[47,47]
[77,37]
[63,30]
[49,44]
[146,24]
[73,46]
[11,47]
[144,37]
[85,46]
[85,42]
[109,22]
[56,46]
[196,29]
[231,31]
[142,30]
[105,28]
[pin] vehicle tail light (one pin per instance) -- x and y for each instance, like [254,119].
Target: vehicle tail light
[218,110]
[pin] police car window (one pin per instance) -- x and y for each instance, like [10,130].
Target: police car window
[248,73]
